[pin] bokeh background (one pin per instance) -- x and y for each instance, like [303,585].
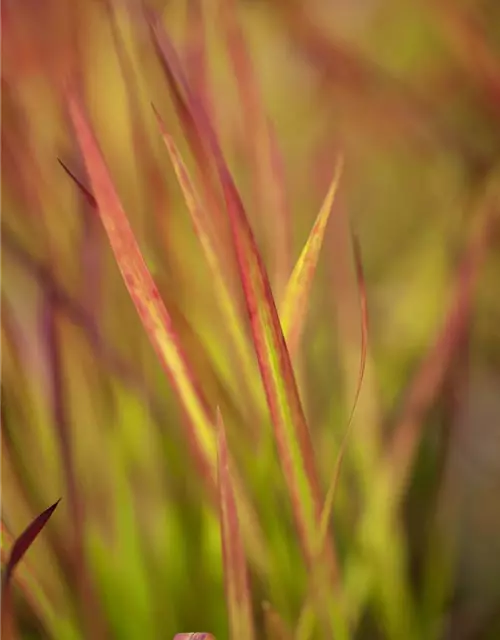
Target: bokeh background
[409,92]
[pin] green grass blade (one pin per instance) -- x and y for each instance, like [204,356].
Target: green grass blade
[238,596]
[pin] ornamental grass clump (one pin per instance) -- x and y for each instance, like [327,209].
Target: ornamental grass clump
[237,478]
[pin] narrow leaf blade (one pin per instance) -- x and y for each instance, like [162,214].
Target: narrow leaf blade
[295,300]
[235,570]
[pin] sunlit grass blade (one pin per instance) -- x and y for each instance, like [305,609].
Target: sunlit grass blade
[295,301]
[238,596]
[144,293]
[291,431]
[26,539]
[158,323]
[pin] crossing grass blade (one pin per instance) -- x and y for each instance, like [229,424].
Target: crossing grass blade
[202,226]
[295,301]
[158,323]
[238,596]
[290,428]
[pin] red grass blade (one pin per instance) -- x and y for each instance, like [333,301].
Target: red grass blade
[144,293]
[157,321]
[20,547]
[26,539]
[291,430]
[295,301]
[238,596]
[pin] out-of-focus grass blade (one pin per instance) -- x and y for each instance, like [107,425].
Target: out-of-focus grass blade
[26,539]
[330,497]
[431,374]
[20,547]
[304,626]
[238,596]
[291,431]
[261,146]
[157,321]
[295,301]
[275,626]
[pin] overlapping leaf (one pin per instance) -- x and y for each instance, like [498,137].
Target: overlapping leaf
[238,596]
[155,318]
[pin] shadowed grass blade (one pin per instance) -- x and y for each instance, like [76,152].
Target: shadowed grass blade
[20,547]
[238,596]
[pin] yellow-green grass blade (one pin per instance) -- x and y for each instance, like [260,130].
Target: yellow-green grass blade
[290,428]
[158,322]
[295,301]
[201,225]
[236,581]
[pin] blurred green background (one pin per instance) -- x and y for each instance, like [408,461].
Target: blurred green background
[409,92]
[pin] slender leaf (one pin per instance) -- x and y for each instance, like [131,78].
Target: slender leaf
[158,323]
[238,596]
[295,302]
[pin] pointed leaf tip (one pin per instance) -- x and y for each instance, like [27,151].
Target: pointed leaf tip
[26,539]
[296,297]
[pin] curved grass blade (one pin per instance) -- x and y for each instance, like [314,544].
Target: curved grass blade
[295,301]
[238,596]
[158,324]
[20,547]
[144,293]
[290,428]
[304,626]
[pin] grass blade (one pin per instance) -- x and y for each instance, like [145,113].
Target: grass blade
[304,626]
[158,323]
[201,224]
[144,293]
[26,539]
[19,548]
[290,428]
[294,306]
[235,570]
